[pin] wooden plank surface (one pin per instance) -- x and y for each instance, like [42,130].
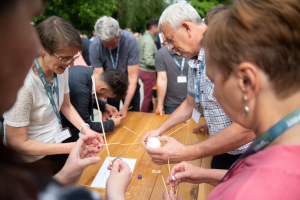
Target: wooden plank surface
[151,185]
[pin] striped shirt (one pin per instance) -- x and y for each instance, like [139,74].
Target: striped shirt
[215,117]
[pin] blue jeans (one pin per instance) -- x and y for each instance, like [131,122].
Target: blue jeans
[169,110]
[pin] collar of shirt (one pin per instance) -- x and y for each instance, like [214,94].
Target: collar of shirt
[197,59]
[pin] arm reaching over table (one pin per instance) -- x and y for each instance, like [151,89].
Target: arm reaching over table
[185,172]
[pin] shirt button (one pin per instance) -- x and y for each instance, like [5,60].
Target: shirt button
[205,108]
[202,91]
[208,126]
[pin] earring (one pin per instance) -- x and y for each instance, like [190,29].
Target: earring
[246,109]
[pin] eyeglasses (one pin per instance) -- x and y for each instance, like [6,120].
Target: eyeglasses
[66,61]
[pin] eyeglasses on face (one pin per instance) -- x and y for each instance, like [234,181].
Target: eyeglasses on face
[65,61]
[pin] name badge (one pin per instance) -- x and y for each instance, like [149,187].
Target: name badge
[196,115]
[63,135]
[181,79]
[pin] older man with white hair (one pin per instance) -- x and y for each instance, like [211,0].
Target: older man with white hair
[114,48]
[183,30]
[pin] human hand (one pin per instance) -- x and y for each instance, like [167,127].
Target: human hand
[150,134]
[82,155]
[111,110]
[185,172]
[173,150]
[105,116]
[170,195]
[116,119]
[98,139]
[118,180]
[203,125]
[123,112]
[160,110]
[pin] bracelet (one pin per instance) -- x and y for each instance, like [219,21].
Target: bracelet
[83,125]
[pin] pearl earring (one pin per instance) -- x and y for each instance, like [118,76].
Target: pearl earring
[246,109]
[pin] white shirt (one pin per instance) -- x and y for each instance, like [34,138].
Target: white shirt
[33,108]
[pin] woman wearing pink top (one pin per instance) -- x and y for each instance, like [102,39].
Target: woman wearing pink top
[252,56]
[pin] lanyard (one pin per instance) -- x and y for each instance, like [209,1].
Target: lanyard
[115,64]
[48,90]
[266,138]
[196,82]
[177,63]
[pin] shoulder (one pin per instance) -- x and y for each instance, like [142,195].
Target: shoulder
[128,36]
[162,53]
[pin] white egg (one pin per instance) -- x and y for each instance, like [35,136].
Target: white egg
[153,143]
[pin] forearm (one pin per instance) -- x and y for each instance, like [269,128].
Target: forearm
[96,126]
[226,140]
[98,70]
[35,148]
[181,114]
[72,115]
[130,91]
[161,91]
[213,176]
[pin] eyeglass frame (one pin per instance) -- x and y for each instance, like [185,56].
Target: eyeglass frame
[68,62]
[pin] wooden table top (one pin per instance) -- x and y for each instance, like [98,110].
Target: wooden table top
[151,185]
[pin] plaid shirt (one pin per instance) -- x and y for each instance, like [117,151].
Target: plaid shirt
[215,117]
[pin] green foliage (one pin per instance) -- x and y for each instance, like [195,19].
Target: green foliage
[202,6]
[135,13]
[82,14]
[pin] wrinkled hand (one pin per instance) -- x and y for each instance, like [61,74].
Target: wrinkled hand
[173,150]
[105,116]
[116,119]
[160,110]
[118,180]
[171,195]
[123,112]
[82,155]
[185,172]
[150,134]
[111,110]
[203,125]
[99,138]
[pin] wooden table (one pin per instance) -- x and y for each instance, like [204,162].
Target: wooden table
[151,185]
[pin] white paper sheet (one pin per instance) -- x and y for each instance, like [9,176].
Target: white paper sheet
[103,173]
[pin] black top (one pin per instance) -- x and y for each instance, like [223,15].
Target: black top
[85,52]
[80,84]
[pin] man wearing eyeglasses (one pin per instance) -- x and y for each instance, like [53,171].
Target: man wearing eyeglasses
[114,48]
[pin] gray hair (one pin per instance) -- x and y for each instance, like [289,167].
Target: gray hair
[107,28]
[177,13]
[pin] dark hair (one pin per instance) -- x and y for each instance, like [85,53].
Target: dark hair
[117,82]
[214,10]
[152,22]
[56,33]
[265,33]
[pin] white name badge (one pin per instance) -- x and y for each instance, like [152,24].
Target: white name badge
[196,115]
[61,136]
[181,79]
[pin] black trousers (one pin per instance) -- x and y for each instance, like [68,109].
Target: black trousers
[135,102]
[223,161]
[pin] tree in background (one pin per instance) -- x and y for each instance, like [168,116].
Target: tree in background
[202,6]
[83,14]
[135,13]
